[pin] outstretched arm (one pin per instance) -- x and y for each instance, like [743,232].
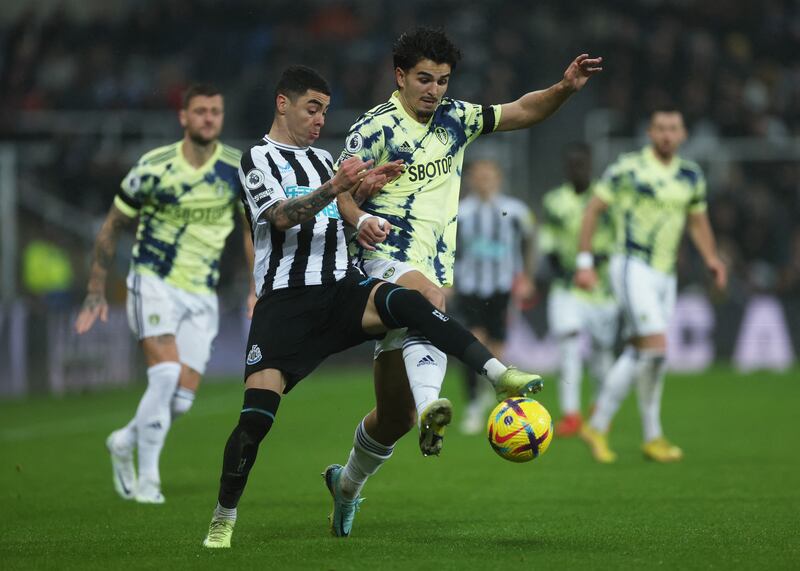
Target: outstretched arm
[537,106]
[703,238]
[95,304]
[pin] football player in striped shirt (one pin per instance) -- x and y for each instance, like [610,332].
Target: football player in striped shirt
[653,193]
[407,232]
[495,262]
[313,303]
[570,309]
[184,197]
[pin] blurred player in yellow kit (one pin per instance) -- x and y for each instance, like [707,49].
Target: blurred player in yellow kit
[653,193]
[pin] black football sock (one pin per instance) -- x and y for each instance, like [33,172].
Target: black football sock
[255,420]
[401,307]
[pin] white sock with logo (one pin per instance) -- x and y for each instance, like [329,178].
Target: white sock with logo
[153,417]
[425,367]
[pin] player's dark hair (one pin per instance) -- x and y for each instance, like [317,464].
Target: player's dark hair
[196,89]
[298,79]
[424,43]
[664,109]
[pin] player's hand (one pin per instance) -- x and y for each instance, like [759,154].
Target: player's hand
[719,272]
[351,172]
[373,230]
[586,279]
[376,179]
[580,70]
[94,306]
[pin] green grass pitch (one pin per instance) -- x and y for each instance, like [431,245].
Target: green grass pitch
[733,503]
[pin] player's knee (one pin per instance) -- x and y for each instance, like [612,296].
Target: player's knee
[436,296]
[258,414]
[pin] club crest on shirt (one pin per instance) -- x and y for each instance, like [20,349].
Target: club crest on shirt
[388,273]
[441,134]
[354,143]
[254,179]
[154,319]
[254,356]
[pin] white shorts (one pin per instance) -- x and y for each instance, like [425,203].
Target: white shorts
[158,308]
[645,295]
[569,313]
[390,271]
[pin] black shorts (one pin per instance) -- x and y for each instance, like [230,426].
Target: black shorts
[295,329]
[489,313]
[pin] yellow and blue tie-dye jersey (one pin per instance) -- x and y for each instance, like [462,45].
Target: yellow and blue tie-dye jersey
[422,204]
[561,223]
[185,214]
[649,202]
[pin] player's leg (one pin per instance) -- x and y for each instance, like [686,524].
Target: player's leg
[262,395]
[637,297]
[153,317]
[603,325]
[565,320]
[425,364]
[153,415]
[393,416]
[392,307]
[650,373]
[472,422]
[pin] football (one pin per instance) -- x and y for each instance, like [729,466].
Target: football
[520,429]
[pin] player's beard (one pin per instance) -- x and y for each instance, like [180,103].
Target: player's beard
[424,115]
[200,140]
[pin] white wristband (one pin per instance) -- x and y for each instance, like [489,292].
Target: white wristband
[584,261]
[361,220]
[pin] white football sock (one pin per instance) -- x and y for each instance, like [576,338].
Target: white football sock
[494,370]
[615,388]
[366,457]
[125,437]
[153,417]
[650,369]
[601,362]
[425,367]
[569,383]
[224,513]
[181,402]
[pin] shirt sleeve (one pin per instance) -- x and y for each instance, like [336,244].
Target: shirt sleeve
[699,202]
[364,140]
[133,190]
[259,183]
[480,119]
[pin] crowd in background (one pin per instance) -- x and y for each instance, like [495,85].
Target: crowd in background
[731,67]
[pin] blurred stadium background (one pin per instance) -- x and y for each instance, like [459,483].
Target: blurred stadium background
[87,85]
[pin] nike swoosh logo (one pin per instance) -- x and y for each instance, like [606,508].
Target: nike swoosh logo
[122,483]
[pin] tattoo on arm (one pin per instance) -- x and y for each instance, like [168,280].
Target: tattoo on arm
[104,248]
[295,211]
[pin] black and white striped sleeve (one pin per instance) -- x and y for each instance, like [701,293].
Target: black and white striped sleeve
[260,184]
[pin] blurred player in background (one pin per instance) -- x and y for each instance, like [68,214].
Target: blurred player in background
[495,259]
[185,196]
[312,301]
[653,194]
[571,310]
[406,234]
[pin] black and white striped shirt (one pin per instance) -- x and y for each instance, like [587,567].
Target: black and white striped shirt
[312,253]
[489,251]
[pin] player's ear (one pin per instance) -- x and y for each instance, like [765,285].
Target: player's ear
[182,117]
[400,77]
[281,103]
